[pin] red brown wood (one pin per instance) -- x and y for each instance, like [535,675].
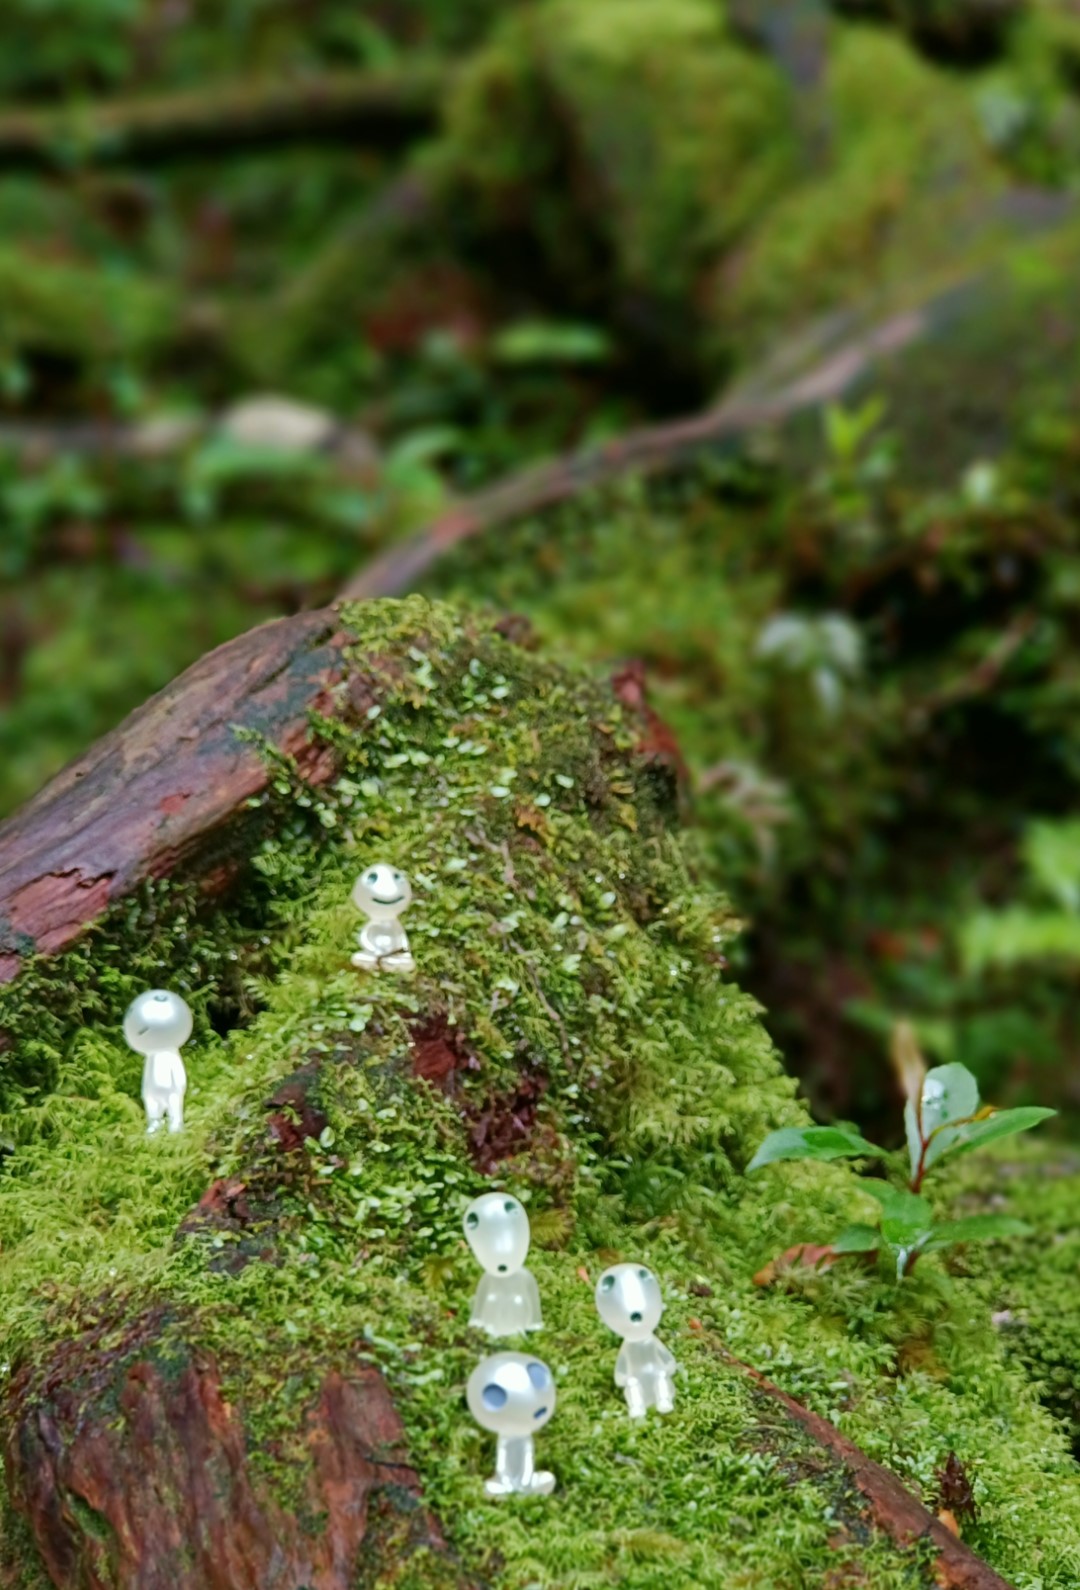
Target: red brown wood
[894,1509]
[142,800]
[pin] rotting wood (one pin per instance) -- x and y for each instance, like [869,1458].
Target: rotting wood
[140,802]
[894,1509]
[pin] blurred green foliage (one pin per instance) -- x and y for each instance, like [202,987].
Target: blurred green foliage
[862,631]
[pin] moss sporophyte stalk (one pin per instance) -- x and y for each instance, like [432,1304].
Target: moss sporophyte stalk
[567,1038]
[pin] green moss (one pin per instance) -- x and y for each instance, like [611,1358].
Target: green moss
[638,124]
[560,936]
[908,190]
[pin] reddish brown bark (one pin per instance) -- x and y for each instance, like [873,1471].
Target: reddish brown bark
[144,800]
[892,1506]
[175,1501]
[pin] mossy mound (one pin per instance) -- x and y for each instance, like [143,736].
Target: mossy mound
[569,1034]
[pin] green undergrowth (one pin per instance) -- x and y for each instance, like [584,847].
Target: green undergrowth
[582,1046]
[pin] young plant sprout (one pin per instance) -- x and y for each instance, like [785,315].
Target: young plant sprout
[628,1300]
[507,1300]
[382,893]
[513,1396]
[943,1118]
[156,1024]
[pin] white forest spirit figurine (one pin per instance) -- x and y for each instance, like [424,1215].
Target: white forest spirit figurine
[382,893]
[628,1300]
[507,1301]
[156,1024]
[513,1396]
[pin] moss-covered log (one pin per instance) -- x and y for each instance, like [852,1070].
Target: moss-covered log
[235,1358]
[386,108]
[182,769]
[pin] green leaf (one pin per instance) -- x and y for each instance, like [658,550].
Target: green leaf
[905,1216]
[551,342]
[1003,1123]
[949,1093]
[1052,853]
[974,1228]
[810,1142]
[858,1239]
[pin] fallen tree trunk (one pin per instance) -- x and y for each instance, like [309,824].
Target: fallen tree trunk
[384,108]
[244,1406]
[144,801]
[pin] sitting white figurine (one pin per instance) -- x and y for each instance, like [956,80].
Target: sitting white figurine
[628,1300]
[513,1396]
[156,1024]
[382,893]
[507,1301]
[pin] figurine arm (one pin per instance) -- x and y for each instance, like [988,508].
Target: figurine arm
[665,1360]
[622,1370]
[533,1292]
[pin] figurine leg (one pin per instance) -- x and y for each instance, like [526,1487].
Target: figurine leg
[665,1394]
[155,1112]
[497,1487]
[176,1112]
[543,1483]
[635,1399]
[397,961]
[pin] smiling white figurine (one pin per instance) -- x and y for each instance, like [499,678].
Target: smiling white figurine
[628,1300]
[513,1396]
[156,1024]
[382,893]
[507,1301]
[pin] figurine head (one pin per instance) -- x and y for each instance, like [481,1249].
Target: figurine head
[381,892]
[628,1301]
[511,1394]
[497,1230]
[157,1020]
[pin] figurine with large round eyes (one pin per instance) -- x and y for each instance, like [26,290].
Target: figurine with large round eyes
[513,1395]
[507,1300]
[382,893]
[628,1300]
[156,1024]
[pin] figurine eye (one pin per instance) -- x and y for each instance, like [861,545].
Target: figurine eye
[493,1397]
[643,1275]
[510,1206]
[538,1374]
[607,1284]
[161,999]
[472,1221]
[539,1414]
[373,877]
[397,877]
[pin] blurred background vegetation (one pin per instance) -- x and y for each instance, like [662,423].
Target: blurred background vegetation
[281,279]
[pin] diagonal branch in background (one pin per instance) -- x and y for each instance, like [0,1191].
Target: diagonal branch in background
[653,450]
[388,108]
[894,1508]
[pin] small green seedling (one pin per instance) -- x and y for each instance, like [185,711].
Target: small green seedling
[942,1118]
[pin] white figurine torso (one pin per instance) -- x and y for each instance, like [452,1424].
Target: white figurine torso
[507,1305]
[644,1371]
[163,1072]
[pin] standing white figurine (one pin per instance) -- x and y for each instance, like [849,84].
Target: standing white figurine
[382,893]
[507,1301]
[628,1300]
[156,1024]
[513,1396]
